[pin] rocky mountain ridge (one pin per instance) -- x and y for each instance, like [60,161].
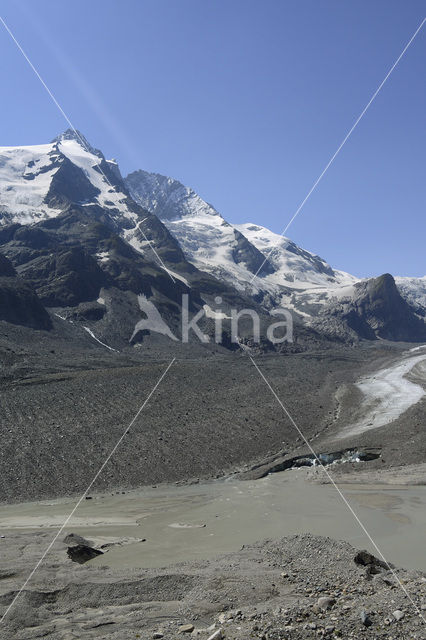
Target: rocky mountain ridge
[287,275]
[77,234]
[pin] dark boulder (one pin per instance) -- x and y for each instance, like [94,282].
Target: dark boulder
[373,565]
[82,553]
[73,540]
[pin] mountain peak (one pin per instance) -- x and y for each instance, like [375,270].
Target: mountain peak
[75,134]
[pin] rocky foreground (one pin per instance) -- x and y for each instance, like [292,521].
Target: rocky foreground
[297,587]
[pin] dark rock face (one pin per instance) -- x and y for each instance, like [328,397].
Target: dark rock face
[165,244]
[82,553]
[244,251]
[68,259]
[381,307]
[59,258]
[66,277]
[88,311]
[376,310]
[19,304]
[69,184]
[6,268]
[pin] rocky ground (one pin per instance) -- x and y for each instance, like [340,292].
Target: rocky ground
[295,588]
[63,411]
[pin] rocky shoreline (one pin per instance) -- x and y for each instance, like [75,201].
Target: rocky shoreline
[294,588]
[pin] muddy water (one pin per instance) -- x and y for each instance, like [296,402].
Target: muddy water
[199,521]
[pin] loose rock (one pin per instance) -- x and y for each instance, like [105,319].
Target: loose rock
[365,619]
[325,602]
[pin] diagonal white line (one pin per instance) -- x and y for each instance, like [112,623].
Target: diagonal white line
[37,74]
[81,140]
[339,491]
[138,227]
[68,518]
[345,139]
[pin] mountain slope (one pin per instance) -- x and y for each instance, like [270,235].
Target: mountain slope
[233,252]
[413,290]
[39,182]
[77,233]
[289,276]
[79,237]
[208,241]
[372,309]
[293,266]
[19,304]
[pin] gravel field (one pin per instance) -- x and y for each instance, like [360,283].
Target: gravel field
[294,588]
[62,413]
[212,413]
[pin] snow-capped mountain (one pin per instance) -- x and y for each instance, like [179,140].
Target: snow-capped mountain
[235,252]
[39,182]
[76,233]
[208,241]
[76,237]
[274,270]
[25,177]
[254,259]
[28,176]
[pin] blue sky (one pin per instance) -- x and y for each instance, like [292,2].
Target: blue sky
[244,101]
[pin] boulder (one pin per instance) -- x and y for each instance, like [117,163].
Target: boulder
[73,539]
[82,553]
[373,565]
[325,602]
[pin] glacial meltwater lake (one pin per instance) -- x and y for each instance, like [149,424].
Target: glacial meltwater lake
[198,521]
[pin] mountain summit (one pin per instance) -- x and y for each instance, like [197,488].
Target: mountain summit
[77,136]
[232,252]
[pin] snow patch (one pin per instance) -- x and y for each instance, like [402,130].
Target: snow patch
[177,276]
[25,177]
[90,332]
[295,268]
[413,290]
[102,256]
